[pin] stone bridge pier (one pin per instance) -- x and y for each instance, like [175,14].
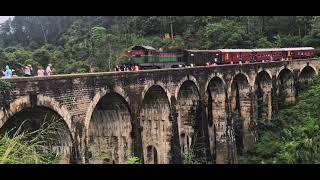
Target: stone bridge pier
[167,116]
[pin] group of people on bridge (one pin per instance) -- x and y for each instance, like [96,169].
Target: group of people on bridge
[28,71]
[127,67]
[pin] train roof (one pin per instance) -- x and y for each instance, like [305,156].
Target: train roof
[143,47]
[268,49]
[298,48]
[235,50]
[200,50]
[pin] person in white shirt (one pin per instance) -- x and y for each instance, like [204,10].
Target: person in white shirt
[48,70]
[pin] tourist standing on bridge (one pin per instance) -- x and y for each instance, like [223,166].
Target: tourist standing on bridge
[14,74]
[40,71]
[31,70]
[8,73]
[27,71]
[48,70]
[3,72]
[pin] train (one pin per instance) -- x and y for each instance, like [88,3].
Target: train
[147,57]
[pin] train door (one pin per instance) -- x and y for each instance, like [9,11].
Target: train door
[289,55]
[227,58]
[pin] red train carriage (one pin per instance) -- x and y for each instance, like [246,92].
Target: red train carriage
[231,56]
[299,53]
[270,54]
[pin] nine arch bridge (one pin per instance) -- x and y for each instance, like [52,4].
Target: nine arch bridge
[158,115]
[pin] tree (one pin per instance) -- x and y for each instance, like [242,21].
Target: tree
[226,34]
[264,43]
[42,56]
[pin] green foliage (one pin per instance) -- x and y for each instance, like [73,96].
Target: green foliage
[32,62]
[225,34]
[76,67]
[5,86]
[292,137]
[42,56]
[264,43]
[98,41]
[29,147]
[190,158]
[134,160]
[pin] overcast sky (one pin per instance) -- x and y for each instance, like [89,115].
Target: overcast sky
[4,18]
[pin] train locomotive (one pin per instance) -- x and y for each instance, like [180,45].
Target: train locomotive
[147,57]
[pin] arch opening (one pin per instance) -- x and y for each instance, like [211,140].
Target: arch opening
[109,133]
[189,119]
[305,79]
[285,90]
[50,130]
[152,155]
[263,96]
[154,119]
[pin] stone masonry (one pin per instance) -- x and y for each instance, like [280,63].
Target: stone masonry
[161,115]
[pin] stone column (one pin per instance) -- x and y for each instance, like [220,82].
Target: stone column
[136,133]
[220,125]
[247,134]
[175,143]
[268,100]
[290,91]
[80,144]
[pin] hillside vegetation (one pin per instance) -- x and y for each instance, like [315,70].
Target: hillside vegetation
[94,43]
[293,136]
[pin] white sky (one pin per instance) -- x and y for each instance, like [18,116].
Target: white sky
[4,18]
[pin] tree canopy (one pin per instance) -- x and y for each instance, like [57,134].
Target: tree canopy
[95,43]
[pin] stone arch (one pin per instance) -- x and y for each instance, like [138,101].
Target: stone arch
[237,75]
[305,77]
[109,129]
[153,155]
[100,94]
[283,68]
[217,119]
[267,71]
[157,129]
[24,102]
[263,95]
[215,75]
[150,85]
[188,108]
[306,66]
[262,75]
[61,140]
[51,103]
[307,72]
[15,106]
[182,81]
[286,91]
